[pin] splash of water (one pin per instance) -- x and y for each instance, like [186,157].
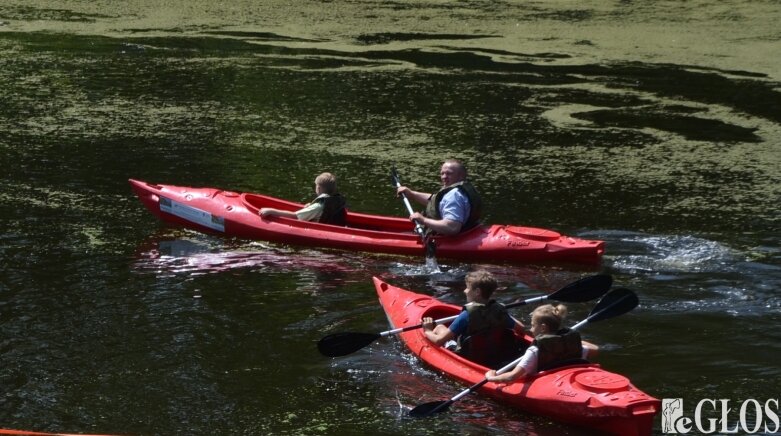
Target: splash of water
[432,265]
[671,254]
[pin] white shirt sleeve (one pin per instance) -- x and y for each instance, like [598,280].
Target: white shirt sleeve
[311,212]
[529,360]
[454,206]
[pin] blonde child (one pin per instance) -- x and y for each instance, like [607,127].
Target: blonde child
[328,207]
[551,344]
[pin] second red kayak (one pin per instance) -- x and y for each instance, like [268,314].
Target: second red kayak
[236,214]
[582,394]
[7,431]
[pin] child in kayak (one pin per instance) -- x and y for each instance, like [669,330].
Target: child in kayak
[484,331]
[552,345]
[328,207]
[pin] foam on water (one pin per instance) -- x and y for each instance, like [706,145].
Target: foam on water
[669,254]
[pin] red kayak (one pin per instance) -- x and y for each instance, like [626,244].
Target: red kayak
[236,214]
[37,433]
[582,394]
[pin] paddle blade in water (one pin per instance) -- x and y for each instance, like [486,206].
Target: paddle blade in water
[428,409]
[342,344]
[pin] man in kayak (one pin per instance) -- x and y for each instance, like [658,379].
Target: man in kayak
[552,345]
[454,208]
[328,207]
[483,330]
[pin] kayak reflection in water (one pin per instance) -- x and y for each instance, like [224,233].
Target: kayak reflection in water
[328,208]
[552,346]
[454,208]
[484,332]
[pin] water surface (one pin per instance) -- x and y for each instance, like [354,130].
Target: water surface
[652,125]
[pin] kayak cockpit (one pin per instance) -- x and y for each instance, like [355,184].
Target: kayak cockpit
[254,202]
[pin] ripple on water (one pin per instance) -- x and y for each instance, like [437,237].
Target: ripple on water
[684,273]
[668,255]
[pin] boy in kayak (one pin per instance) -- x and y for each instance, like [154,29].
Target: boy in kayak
[552,345]
[483,328]
[454,208]
[327,208]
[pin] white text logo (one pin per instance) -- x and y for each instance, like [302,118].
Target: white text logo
[711,416]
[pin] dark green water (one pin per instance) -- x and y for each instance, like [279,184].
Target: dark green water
[655,128]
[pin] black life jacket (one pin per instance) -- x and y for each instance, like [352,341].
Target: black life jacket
[475,203]
[487,340]
[563,346]
[334,210]
[483,317]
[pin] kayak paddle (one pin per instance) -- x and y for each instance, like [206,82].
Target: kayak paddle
[585,289]
[616,302]
[427,241]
